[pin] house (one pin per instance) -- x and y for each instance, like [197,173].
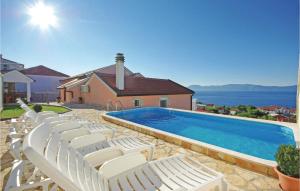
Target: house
[45,84]
[37,84]
[273,109]
[223,110]
[10,76]
[282,118]
[233,111]
[115,86]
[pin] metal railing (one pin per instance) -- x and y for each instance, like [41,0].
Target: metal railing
[109,105]
[116,105]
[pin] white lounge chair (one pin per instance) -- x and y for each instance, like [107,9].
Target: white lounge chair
[73,129]
[89,144]
[80,128]
[92,146]
[15,182]
[19,166]
[32,119]
[37,117]
[68,169]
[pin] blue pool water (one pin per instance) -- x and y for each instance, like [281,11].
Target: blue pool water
[248,137]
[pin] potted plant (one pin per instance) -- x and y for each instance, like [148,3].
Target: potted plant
[288,160]
[37,108]
[58,99]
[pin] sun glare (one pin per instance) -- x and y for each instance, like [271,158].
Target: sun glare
[42,15]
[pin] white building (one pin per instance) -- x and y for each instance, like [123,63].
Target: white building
[37,84]
[46,81]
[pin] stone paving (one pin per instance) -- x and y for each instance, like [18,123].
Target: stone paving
[238,179]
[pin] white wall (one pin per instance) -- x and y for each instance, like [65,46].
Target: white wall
[8,65]
[41,86]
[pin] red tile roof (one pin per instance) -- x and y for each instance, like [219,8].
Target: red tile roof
[270,108]
[111,69]
[135,86]
[42,70]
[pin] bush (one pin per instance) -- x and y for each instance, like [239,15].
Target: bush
[37,108]
[211,109]
[242,108]
[288,160]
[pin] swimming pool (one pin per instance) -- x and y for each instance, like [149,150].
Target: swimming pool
[249,137]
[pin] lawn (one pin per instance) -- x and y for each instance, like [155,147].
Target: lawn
[16,111]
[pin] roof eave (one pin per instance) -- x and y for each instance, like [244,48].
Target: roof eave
[151,94]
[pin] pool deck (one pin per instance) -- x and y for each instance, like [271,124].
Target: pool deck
[239,179]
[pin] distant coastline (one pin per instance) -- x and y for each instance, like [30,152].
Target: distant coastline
[246,94]
[244,88]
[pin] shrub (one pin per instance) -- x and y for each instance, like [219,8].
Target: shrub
[242,108]
[37,108]
[211,109]
[288,160]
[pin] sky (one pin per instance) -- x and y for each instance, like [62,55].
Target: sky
[205,42]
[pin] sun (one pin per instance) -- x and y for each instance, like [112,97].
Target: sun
[42,15]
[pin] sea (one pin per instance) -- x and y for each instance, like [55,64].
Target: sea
[255,98]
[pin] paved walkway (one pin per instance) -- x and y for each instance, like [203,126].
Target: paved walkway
[238,179]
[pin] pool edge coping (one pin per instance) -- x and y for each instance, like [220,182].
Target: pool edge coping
[249,162]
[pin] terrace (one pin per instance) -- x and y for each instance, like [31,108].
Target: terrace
[237,178]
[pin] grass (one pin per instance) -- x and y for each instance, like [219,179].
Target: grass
[15,111]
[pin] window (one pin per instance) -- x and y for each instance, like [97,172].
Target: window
[137,103]
[5,67]
[163,102]
[84,89]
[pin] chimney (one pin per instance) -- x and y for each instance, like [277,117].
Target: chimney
[120,71]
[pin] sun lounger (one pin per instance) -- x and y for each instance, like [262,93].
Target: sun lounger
[31,119]
[15,182]
[81,128]
[72,130]
[68,169]
[90,146]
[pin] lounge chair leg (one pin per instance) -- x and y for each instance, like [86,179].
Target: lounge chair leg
[113,134]
[54,187]
[46,183]
[223,186]
[36,172]
[150,154]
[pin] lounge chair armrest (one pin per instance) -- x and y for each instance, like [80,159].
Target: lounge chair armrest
[97,158]
[86,140]
[121,164]
[14,135]
[15,148]
[71,134]
[17,124]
